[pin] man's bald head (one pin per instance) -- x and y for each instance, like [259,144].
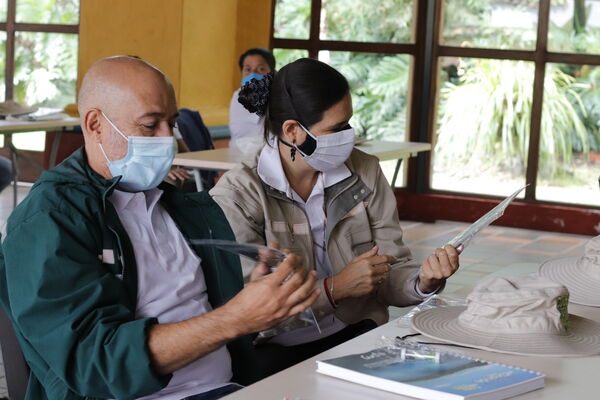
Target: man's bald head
[123,96]
[112,81]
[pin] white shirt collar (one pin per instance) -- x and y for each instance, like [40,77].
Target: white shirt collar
[122,200]
[270,170]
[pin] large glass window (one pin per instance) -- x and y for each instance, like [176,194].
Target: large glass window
[483,125]
[513,116]
[38,56]
[292,19]
[286,56]
[388,21]
[575,26]
[371,42]
[507,92]
[490,24]
[45,68]
[569,153]
[379,85]
[64,12]
[2,63]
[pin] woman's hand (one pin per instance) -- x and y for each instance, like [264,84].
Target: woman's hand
[437,268]
[261,269]
[362,275]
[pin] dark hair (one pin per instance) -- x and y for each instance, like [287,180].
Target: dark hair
[258,51]
[301,91]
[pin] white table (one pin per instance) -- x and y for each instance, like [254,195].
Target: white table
[226,159]
[10,127]
[566,378]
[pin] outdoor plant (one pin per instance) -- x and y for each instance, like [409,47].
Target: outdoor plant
[485,118]
[46,63]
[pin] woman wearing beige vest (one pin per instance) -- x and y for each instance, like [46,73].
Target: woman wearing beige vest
[314,193]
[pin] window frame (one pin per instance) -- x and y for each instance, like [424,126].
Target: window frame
[540,56]
[427,51]
[11,27]
[417,85]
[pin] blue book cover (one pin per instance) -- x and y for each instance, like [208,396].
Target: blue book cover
[430,374]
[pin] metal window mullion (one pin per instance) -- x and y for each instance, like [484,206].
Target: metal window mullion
[537,101]
[315,28]
[420,102]
[272,30]
[436,32]
[10,49]
[573,58]
[47,28]
[477,52]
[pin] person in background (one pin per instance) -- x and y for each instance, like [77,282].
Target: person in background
[309,189]
[246,128]
[6,172]
[108,298]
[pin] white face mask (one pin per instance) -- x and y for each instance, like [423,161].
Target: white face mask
[147,162]
[331,150]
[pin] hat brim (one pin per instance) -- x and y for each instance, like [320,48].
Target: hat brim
[568,271]
[442,324]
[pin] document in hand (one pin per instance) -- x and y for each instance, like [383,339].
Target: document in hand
[424,373]
[258,253]
[464,238]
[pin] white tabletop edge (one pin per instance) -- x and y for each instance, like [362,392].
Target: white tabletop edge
[16,126]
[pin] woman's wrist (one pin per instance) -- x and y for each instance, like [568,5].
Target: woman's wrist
[328,283]
[428,286]
[339,293]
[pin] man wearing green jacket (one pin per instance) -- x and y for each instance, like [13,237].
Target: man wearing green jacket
[107,297]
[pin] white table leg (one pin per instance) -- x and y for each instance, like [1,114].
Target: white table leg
[398,164]
[198,179]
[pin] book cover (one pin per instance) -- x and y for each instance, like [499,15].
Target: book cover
[428,374]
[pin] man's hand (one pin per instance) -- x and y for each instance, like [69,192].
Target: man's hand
[270,299]
[263,303]
[362,275]
[177,173]
[437,268]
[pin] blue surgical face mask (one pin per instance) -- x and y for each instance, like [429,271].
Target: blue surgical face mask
[248,78]
[147,162]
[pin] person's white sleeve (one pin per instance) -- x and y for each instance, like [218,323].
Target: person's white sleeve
[177,133]
[426,295]
[236,123]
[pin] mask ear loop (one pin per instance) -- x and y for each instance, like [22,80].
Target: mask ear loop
[103,152]
[114,126]
[118,131]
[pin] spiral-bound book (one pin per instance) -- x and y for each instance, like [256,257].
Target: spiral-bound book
[426,373]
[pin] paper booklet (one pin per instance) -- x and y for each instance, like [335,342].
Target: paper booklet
[423,372]
[465,236]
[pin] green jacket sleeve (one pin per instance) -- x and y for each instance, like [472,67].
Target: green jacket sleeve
[73,313]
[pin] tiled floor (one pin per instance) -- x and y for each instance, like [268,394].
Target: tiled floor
[493,249]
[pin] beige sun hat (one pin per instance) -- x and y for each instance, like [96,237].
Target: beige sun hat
[581,275]
[524,315]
